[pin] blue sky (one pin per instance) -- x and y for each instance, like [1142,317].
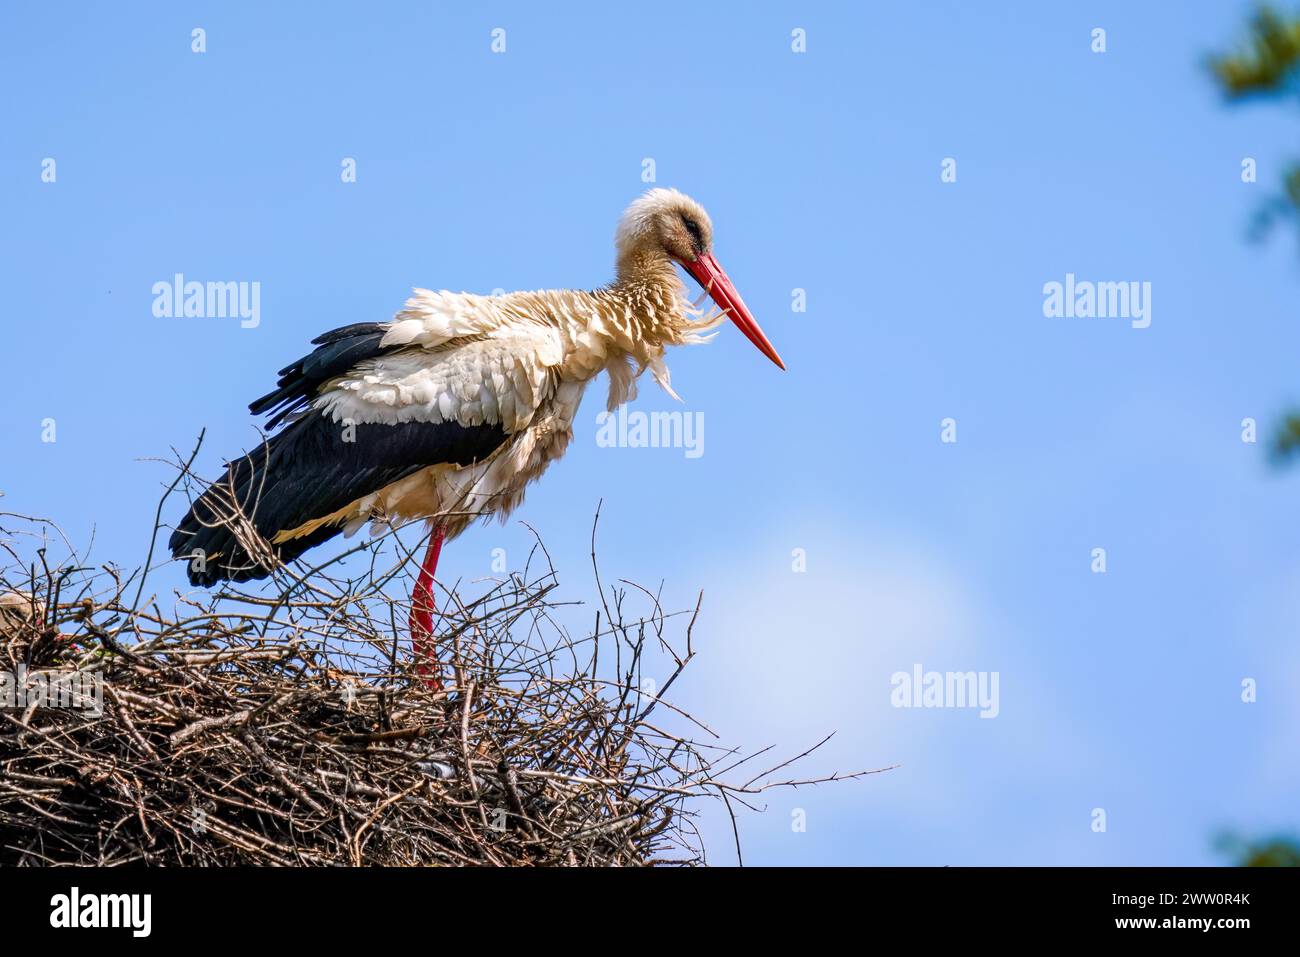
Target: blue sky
[924,301]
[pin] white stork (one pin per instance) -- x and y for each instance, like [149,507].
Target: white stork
[450,410]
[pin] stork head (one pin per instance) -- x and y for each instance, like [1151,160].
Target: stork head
[665,224]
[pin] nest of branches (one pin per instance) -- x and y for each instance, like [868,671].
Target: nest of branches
[288,725]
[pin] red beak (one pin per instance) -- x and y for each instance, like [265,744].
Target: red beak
[709,274]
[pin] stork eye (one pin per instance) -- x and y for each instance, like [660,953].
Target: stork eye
[697,237]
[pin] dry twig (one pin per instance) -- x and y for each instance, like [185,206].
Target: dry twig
[279,727]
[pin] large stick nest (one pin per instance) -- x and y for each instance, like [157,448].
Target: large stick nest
[288,726]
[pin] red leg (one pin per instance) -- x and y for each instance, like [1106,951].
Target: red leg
[426,666]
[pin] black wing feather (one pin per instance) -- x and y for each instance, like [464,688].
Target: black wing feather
[338,351]
[315,466]
[310,469]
